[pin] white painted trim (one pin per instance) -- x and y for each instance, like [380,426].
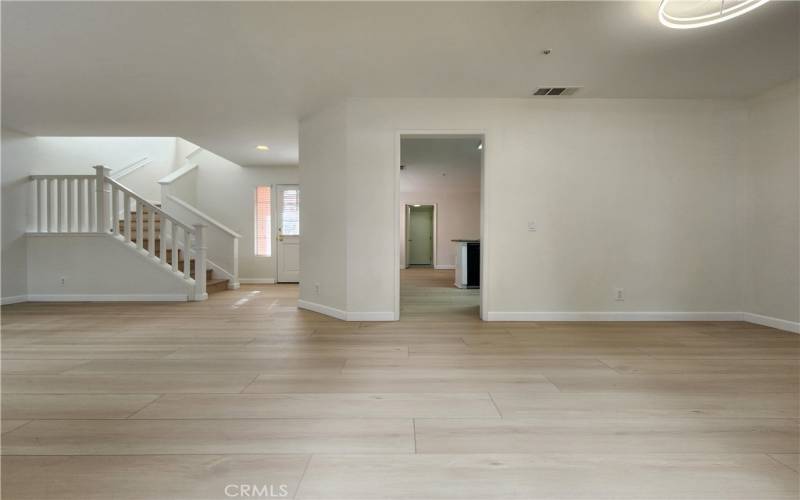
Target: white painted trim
[108,298]
[612,316]
[14,299]
[257,281]
[371,316]
[203,216]
[129,169]
[345,315]
[74,234]
[444,266]
[319,308]
[177,174]
[780,324]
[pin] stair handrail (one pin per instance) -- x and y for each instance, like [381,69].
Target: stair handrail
[193,241]
[148,204]
[64,204]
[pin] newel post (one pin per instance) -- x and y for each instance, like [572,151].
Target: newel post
[102,192]
[200,262]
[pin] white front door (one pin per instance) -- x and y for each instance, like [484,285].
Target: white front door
[288,245]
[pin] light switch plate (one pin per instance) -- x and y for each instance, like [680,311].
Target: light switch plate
[531,226]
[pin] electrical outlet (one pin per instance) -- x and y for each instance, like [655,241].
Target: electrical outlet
[63,280]
[316,288]
[619,294]
[532,226]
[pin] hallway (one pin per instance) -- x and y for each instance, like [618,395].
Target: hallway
[429,294]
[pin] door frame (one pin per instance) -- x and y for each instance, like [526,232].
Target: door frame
[275,224]
[434,234]
[484,225]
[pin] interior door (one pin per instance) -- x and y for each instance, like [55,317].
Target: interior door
[288,233]
[420,236]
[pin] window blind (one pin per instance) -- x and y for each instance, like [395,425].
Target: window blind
[263,218]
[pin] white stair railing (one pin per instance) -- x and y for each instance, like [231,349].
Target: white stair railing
[64,203]
[92,204]
[222,241]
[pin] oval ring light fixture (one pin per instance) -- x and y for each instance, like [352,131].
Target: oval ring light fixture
[716,17]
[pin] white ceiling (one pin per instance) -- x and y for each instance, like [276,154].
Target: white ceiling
[436,164]
[229,76]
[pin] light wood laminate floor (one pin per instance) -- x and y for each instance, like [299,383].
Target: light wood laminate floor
[180,401]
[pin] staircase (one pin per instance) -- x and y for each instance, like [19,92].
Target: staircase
[212,285]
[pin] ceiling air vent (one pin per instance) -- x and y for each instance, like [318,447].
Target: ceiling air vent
[555,91]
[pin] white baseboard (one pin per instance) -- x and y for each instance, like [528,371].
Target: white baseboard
[14,299]
[780,324]
[319,308]
[612,316]
[257,281]
[345,315]
[445,266]
[371,316]
[107,298]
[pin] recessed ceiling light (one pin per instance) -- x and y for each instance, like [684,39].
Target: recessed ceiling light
[262,147]
[718,15]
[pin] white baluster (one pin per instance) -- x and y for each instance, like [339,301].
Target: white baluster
[83,223]
[235,283]
[199,262]
[174,244]
[58,202]
[114,210]
[151,226]
[40,220]
[163,240]
[91,221]
[139,231]
[101,173]
[126,216]
[70,209]
[187,246]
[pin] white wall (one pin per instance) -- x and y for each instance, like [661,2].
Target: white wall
[771,267]
[18,152]
[635,194]
[226,192]
[95,267]
[458,216]
[324,182]
[77,155]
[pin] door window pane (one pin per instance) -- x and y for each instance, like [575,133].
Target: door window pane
[290,222]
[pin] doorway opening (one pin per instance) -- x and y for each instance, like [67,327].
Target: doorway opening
[439,194]
[421,235]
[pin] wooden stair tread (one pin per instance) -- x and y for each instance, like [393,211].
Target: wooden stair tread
[213,285]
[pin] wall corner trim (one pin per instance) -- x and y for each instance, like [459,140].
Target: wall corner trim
[346,315]
[13,299]
[780,324]
[319,308]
